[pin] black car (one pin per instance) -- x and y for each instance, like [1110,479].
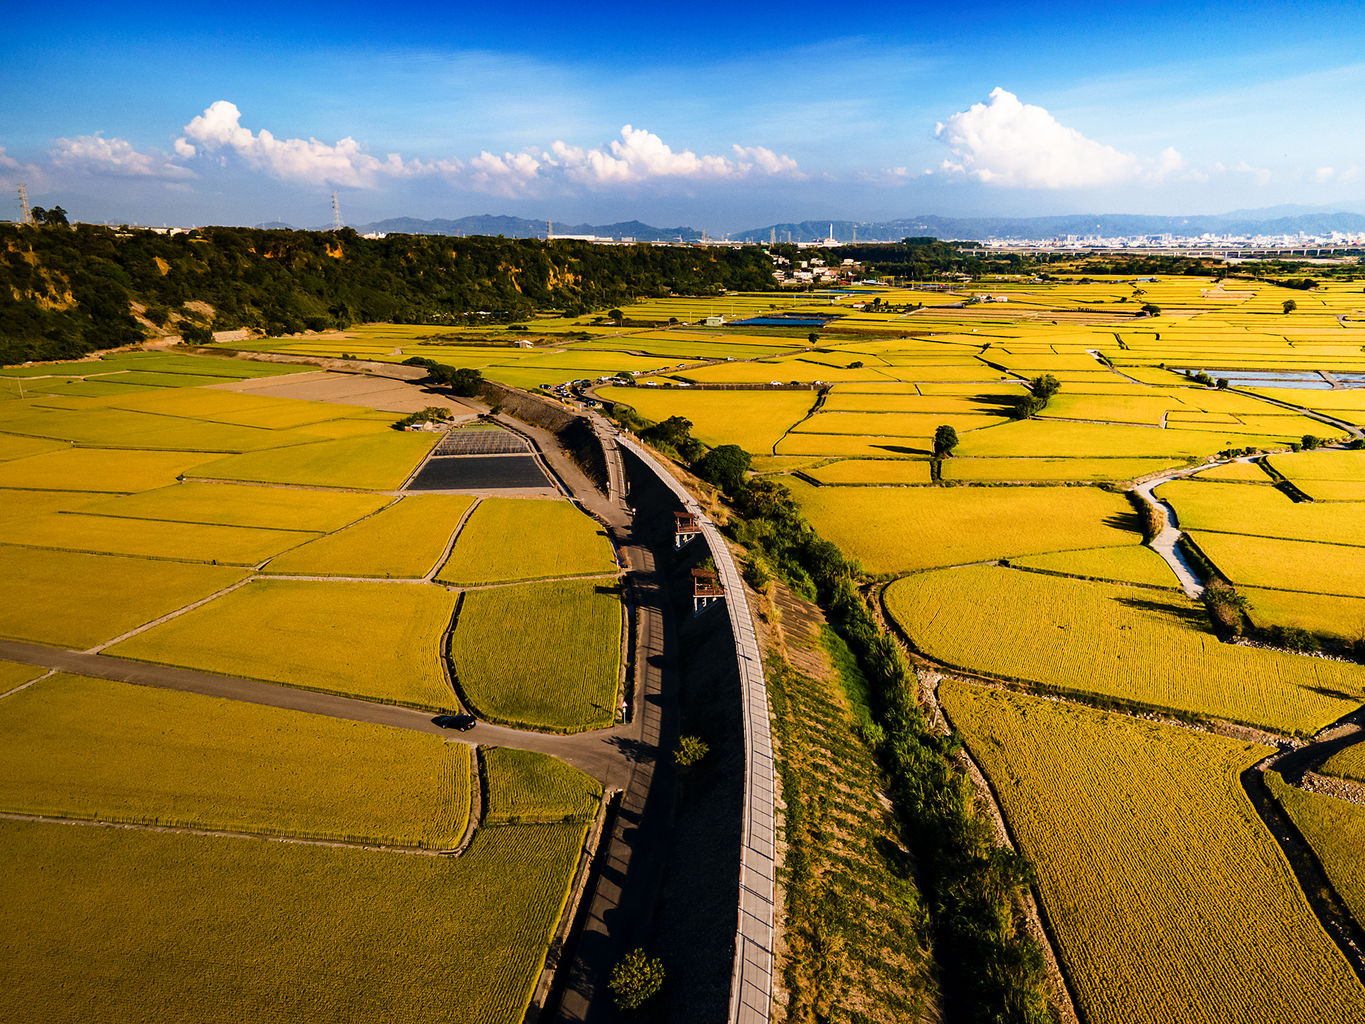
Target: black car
[462,722]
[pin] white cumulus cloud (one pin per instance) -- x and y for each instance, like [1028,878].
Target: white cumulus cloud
[98,155]
[219,128]
[637,156]
[1009,143]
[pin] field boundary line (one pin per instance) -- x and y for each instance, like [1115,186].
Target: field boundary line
[454,537]
[100,648]
[225,833]
[24,686]
[477,808]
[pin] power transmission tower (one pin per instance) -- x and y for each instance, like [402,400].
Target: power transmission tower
[336,213]
[23,204]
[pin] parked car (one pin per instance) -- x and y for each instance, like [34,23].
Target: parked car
[461,722]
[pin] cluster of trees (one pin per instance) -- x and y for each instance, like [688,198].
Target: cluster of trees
[68,291]
[1040,390]
[464,381]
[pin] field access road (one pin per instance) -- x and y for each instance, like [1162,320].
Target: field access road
[602,753]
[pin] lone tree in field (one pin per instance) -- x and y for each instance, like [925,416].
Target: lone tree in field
[945,440]
[1290,305]
[616,316]
[1151,309]
[635,979]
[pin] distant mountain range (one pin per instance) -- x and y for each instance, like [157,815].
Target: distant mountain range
[1275,220]
[520,227]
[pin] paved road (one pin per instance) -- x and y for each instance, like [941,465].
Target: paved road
[602,753]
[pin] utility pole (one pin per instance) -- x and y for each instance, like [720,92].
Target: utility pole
[336,213]
[27,215]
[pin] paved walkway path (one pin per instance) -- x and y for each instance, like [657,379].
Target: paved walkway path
[752,981]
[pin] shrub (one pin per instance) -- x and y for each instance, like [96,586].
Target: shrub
[635,979]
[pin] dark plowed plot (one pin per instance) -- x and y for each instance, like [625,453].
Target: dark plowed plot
[481,442]
[479,472]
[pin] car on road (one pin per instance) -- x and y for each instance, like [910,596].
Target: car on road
[461,722]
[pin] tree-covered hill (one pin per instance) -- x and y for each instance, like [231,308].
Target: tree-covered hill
[68,291]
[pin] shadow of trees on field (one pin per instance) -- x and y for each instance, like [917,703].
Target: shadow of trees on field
[902,449]
[1130,522]
[1191,616]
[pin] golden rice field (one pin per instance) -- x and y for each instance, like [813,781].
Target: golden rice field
[1325,614]
[1260,511]
[916,528]
[149,538]
[100,469]
[12,675]
[379,641]
[1133,563]
[1168,898]
[1115,642]
[407,539]
[526,787]
[1335,829]
[265,508]
[541,655]
[1348,763]
[754,420]
[78,600]
[76,747]
[1285,564]
[116,428]
[512,539]
[159,928]
[374,462]
[872,472]
[992,470]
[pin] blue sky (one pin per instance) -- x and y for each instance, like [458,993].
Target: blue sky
[716,116]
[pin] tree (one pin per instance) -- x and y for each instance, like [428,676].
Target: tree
[57,217]
[1289,305]
[195,334]
[1310,441]
[812,338]
[616,316]
[689,751]
[1222,383]
[724,466]
[635,979]
[945,440]
[1151,309]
